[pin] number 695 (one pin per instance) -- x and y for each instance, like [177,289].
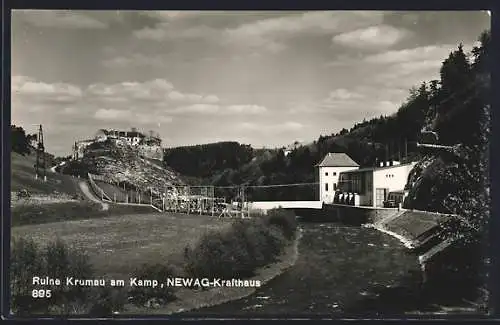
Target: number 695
[41,293]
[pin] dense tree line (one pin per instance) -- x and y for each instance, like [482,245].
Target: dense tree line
[207,159]
[21,142]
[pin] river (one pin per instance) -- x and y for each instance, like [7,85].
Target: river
[341,271]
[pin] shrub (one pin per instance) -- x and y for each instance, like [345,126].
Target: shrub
[107,300]
[25,263]
[253,235]
[283,219]
[238,251]
[55,261]
[275,242]
[209,258]
[159,272]
[61,262]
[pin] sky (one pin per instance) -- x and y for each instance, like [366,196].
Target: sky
[261,78]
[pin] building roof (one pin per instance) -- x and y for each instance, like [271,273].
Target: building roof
[336,159]
[131,134]
[128,134]
[367,169]
[85,141]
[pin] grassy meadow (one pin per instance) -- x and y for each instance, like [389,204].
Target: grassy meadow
[118,245]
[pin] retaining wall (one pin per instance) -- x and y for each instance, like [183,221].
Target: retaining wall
[357,215]
[268,205]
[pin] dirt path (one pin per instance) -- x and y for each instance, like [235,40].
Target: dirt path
[86,191]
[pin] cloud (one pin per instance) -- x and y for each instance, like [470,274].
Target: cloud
[271,33]
[247,109]
[350,105]
[430,52]
[135,60]
[59,19]
[159,91]
[111,114]
[342,94]
[152,90]
[220,109]
[267,34]
[409,67]
[373,37]
[318,22]
[198,108]
[405,75]
[126,115]
[291,126]
[164,31]
[29,89]
[272,128]
[172,15]
[144,103]
[404,68]
[178,96]
[160,99]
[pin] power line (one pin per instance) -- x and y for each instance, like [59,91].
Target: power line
[282,185]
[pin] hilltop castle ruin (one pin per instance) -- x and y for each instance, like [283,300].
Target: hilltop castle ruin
[148,146]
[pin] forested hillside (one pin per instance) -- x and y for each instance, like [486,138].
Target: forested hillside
[208,159]
[457,181]
[448,106]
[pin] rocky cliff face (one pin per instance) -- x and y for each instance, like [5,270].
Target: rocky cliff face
[124,163]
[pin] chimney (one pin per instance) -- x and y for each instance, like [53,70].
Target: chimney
[395,163]
[381,164]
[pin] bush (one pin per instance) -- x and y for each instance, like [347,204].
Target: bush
[143,295]
[275,242]
[26,262]
[61,262]
[238,251]
[56,261]
[209,258]
[254,237]
[107,300]
[283,219]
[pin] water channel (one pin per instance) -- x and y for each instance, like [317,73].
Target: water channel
[341,271]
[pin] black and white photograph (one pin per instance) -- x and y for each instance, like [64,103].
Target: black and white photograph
[289,164]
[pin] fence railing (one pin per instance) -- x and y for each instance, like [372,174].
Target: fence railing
[97,190]
[116,196]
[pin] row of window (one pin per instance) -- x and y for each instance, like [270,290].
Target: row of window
[334,174]
[334,187]
[389,175]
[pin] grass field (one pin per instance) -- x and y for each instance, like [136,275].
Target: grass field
[23,177]
[118,245]
[33,214]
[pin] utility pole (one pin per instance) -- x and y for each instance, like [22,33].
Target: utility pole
[399,150]
[242,196]
[40,156]
[386,154]
[406,148]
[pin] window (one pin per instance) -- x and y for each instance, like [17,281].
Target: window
[326,187]
[326,174]
[334,186]
[334,173]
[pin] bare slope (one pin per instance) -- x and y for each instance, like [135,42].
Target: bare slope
[122,164]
